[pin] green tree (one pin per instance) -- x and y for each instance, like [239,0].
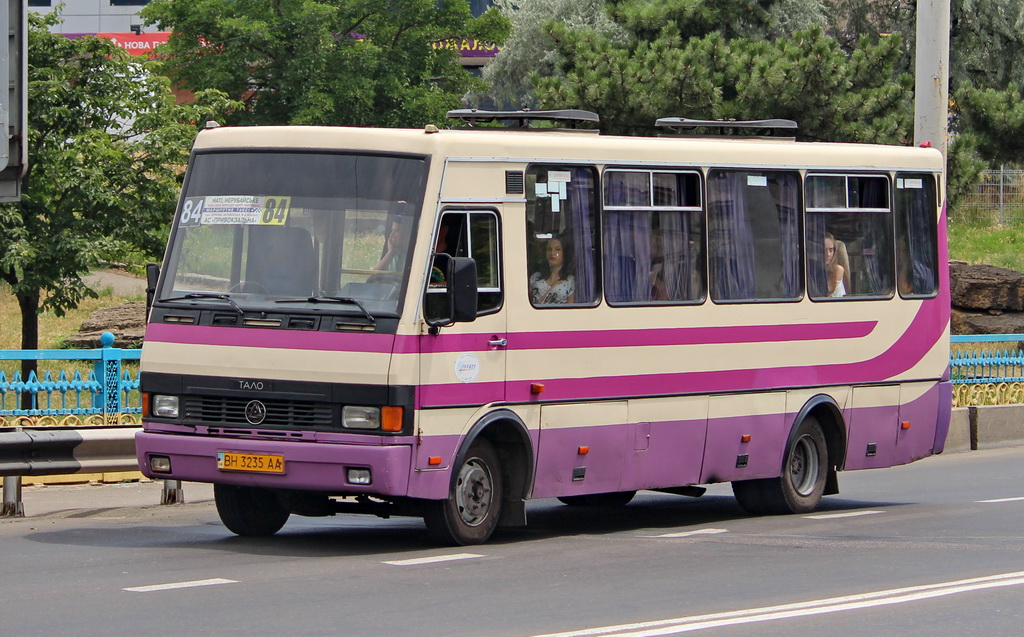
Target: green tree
[531,49]
[350,62]
[106,146]
[676,61]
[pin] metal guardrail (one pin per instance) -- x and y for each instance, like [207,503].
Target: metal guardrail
[71,424]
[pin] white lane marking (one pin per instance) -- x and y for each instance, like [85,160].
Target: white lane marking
[691,533]
[800,609]
[848,514]
[192,584]
[997,500]
[433,560]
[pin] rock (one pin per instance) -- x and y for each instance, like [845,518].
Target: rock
[967,322]
[127,322]
[985,287]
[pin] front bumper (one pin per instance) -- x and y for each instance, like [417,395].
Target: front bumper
[309,466]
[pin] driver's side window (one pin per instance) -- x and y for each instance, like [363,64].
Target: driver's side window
[473,234]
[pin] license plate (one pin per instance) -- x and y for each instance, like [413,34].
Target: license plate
[229,461]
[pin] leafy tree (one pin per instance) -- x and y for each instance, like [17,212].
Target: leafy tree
[996,118]
[353,62]
[106,144]
[985,67]
[531,49]
[676,62]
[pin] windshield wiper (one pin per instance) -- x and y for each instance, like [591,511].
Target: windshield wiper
[332,299]
[205,295]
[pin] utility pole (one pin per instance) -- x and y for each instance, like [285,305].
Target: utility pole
[931,89]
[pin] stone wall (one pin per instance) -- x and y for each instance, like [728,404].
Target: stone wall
[986,299]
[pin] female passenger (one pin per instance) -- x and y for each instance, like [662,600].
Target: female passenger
[554,282]
[836,287]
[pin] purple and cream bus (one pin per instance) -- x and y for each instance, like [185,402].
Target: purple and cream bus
[448,323]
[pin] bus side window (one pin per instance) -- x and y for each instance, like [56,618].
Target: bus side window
[754,236]
[653,237]
[916,240]
[849,221]
[562,235]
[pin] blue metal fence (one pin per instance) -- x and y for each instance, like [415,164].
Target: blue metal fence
[987,358]
[108,394]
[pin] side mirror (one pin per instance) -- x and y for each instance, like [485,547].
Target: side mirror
[451,292]
[152,276]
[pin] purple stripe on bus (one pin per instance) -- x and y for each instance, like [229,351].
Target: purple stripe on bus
[639,338]
[270,338]
[925,330]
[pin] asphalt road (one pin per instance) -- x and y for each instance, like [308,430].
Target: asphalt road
[933,548]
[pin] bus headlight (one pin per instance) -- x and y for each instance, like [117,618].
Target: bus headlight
[353,417]
[165,406]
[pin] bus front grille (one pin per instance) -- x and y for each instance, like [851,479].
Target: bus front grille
[216,410]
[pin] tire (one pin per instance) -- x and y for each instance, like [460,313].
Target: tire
[471,512]
[249,511]
[802,483]
[614,499]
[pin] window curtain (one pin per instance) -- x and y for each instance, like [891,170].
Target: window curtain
[581,214]
[732,243]
[787,199]
[627,256]
[817,273]
[679,264]
[878,237]
[917,214]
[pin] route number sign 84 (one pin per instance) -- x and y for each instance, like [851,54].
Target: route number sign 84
[235,210]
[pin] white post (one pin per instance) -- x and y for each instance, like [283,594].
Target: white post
[931,90]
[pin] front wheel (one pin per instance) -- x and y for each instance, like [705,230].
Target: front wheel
[250,511]
[470,514]
[802,483]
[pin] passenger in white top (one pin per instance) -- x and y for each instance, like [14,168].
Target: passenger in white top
[553,283]
[836,288]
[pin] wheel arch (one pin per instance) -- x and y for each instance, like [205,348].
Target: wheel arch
[830,418]
[511,440]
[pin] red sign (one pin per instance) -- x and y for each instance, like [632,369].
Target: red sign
[141,44]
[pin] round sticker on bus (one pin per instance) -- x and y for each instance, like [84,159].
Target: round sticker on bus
[467,367]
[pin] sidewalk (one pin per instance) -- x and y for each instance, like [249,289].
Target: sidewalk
[66,500]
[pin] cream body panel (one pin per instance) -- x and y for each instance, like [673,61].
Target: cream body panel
[266,363]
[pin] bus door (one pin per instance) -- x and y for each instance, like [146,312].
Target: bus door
[464,364]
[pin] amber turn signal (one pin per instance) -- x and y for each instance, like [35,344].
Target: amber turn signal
[391,418]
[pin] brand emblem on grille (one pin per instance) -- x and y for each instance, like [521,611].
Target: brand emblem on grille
[255,412]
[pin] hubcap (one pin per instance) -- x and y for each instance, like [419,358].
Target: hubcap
[803,466]
[473,492]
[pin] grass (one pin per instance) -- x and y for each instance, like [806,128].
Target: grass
[53,330]
[983,242]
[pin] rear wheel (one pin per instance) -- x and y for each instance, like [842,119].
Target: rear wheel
[470,514]
[614,499]
[249,511]
[802,483]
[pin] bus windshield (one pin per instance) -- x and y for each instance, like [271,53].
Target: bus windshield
[266,228]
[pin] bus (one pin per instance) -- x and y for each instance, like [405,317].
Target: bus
[446,323]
